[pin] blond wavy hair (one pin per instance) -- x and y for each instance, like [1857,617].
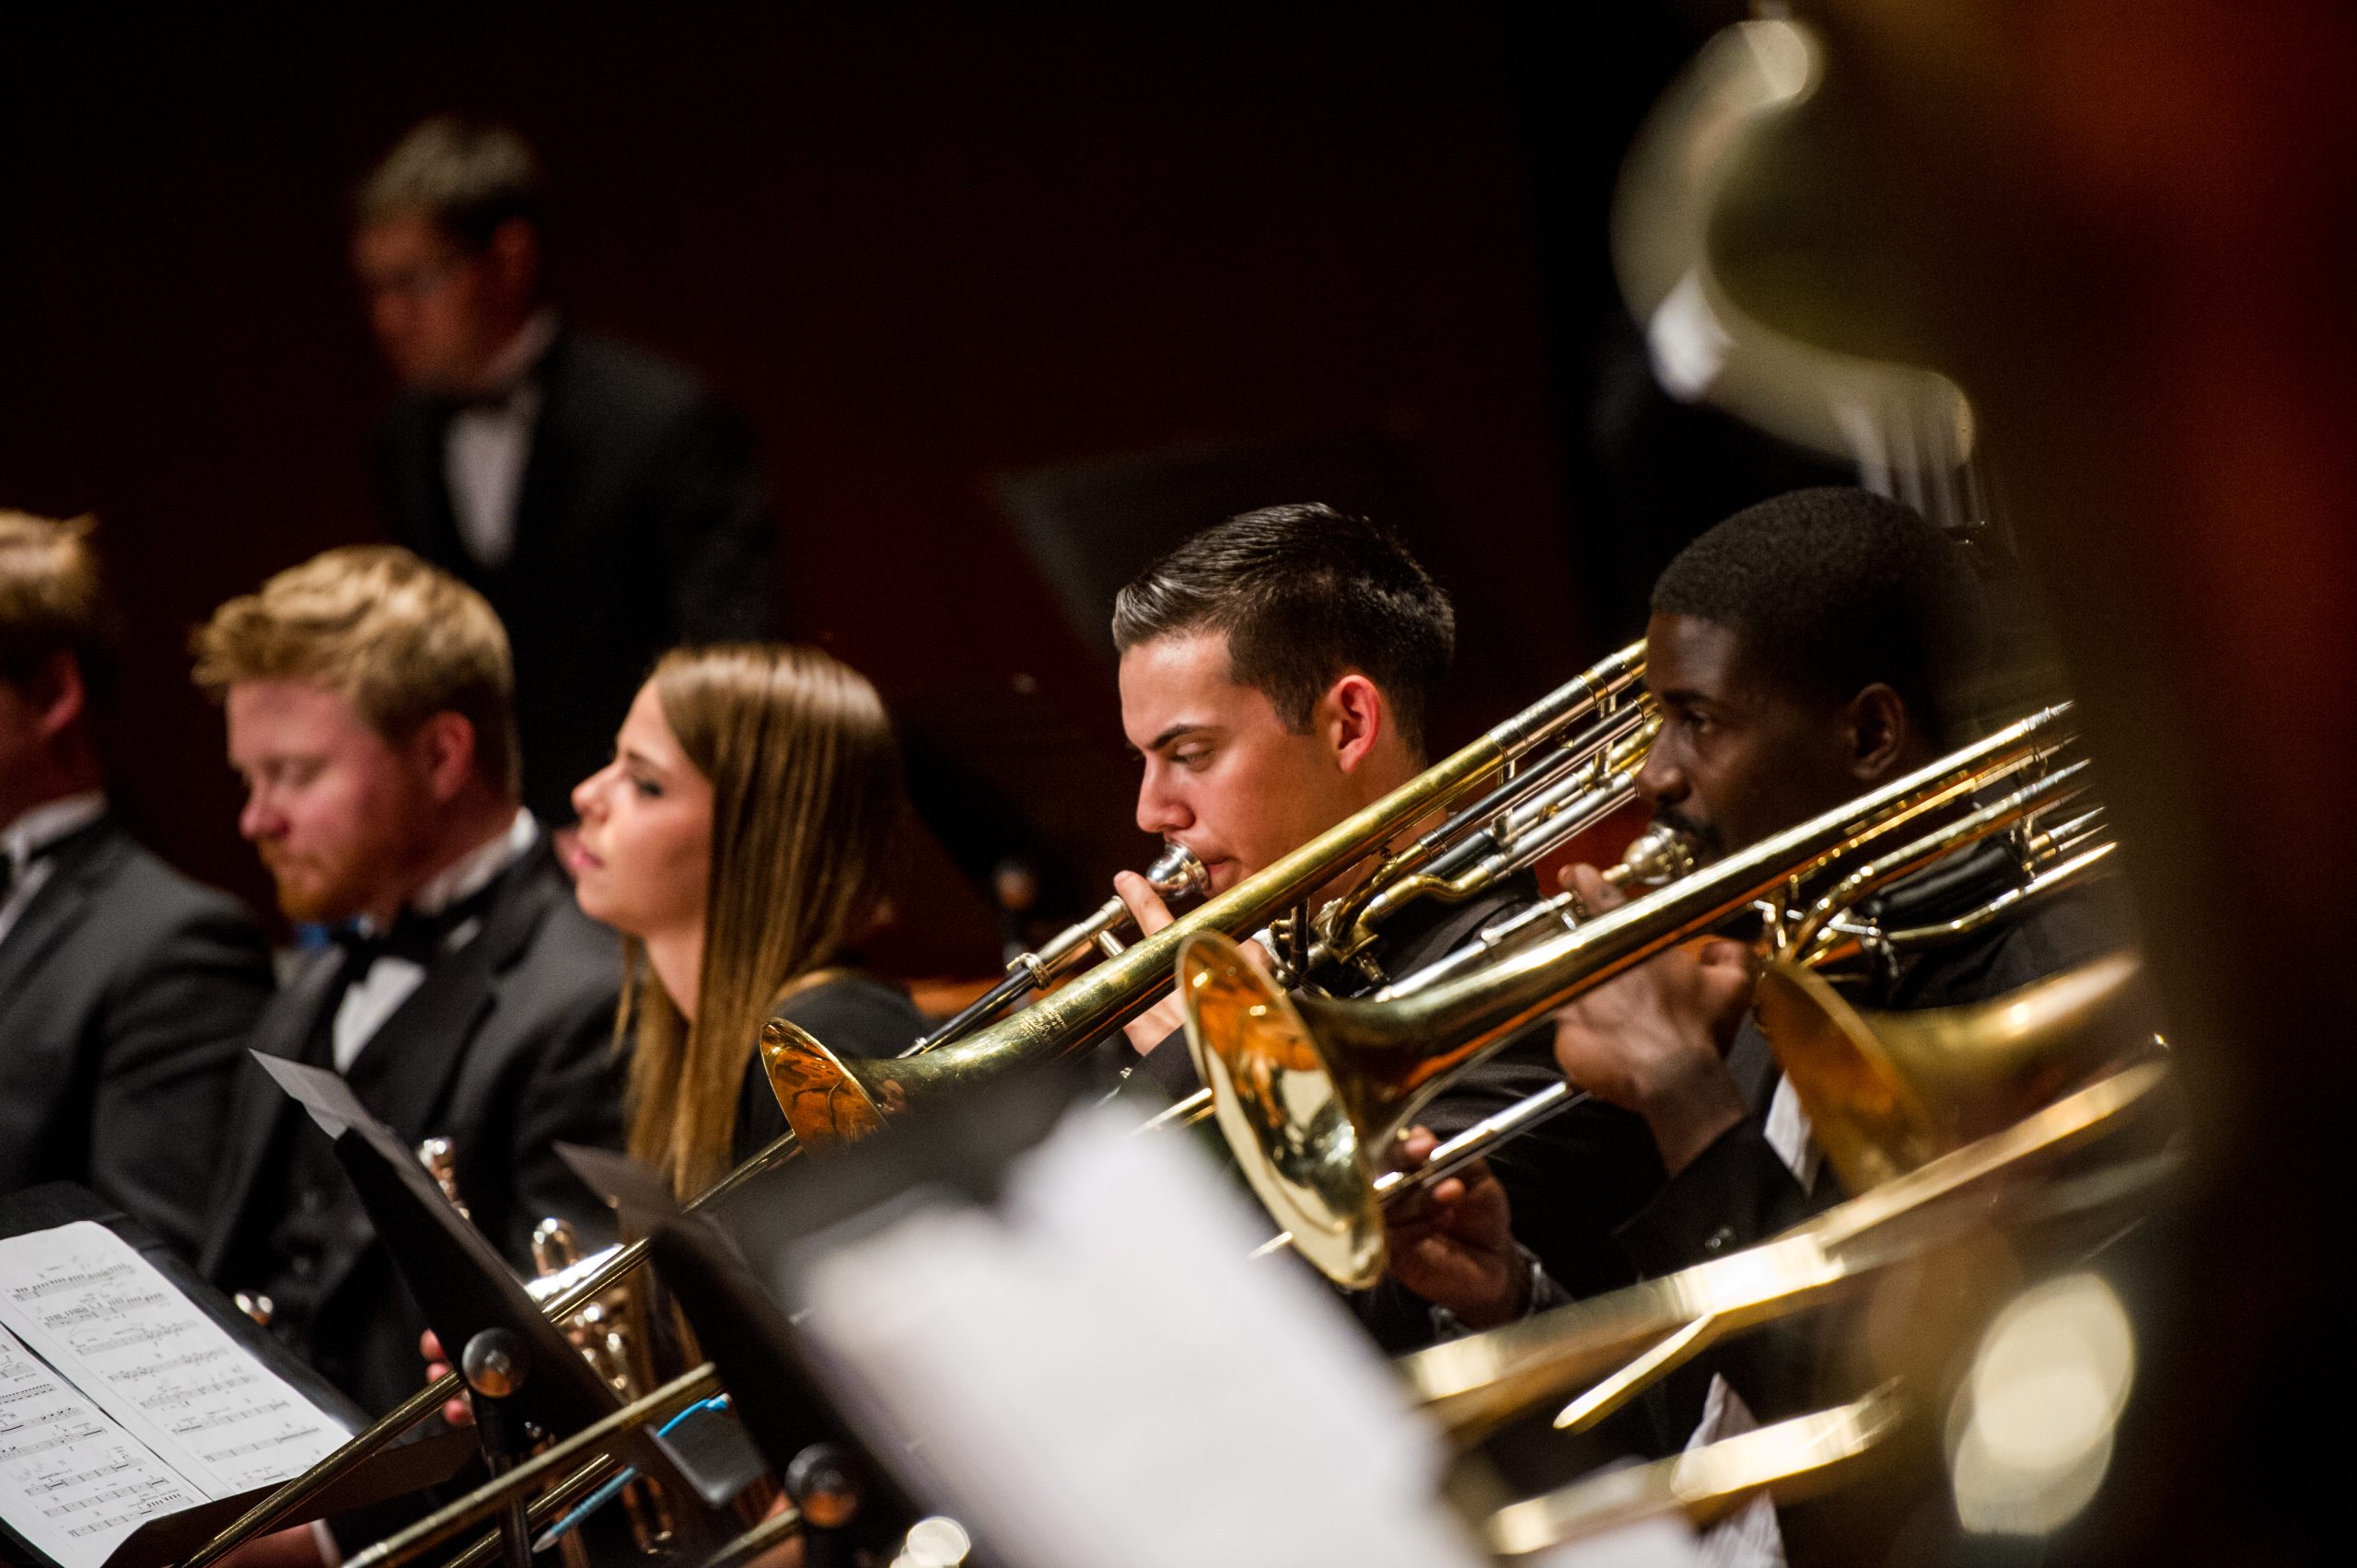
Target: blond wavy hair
[398,639]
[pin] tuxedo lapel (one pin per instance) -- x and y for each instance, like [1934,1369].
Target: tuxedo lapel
[404,1073]
[60,905]
[257,1104]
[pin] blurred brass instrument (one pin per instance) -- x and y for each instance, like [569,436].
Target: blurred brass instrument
[826,1097]
[549,1465]
[1471,1387]
[1789,1459]
[1310,1092]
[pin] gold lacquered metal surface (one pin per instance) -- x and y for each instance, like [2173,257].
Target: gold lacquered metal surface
[818,1089]
[1787,1460]
[1472,1385]
[1888,1091]
[1270,1091]
[1387,1059]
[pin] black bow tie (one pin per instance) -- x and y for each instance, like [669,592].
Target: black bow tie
[417,937]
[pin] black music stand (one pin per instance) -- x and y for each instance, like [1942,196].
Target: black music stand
[470,1297]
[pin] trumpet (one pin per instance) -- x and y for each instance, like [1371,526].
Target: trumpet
[1307,1089]
[826,1097]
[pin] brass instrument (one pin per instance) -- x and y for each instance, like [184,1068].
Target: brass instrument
[826,1097]
[1512,827]
[1789,1459]
[591,1441]
[1308,1091]
[2049,859]
[599,1272]
[1175,874]
[1472,1385]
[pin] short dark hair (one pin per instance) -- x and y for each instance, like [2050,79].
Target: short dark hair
[1303,594]
[53,600]
[470,175]
[1833,590]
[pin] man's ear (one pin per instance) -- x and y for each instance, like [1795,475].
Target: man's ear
[1880,732]
[514,250]
[57,693]
[444,747]
[1355,717]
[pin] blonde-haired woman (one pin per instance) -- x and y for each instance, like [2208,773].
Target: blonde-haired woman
[738,841]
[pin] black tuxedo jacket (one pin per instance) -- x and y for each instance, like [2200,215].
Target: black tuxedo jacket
[642,524]
[506,1049]
[127,992]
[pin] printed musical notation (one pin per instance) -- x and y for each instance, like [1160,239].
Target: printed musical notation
[123,1399]
[73,1482]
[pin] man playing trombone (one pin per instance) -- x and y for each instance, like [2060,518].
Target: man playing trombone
[1275,672]
[1803,652]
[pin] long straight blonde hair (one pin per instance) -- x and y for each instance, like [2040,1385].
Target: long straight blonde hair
[806,802]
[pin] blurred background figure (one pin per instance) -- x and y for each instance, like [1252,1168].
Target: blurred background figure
[599,498]
[126,990]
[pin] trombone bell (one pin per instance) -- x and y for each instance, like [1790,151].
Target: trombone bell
[1287,1115]
[1888,1091]
[822,1101]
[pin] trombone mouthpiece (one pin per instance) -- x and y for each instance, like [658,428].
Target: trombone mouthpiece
[1176,870]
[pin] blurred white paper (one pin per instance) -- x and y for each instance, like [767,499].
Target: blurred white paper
[1096,1373]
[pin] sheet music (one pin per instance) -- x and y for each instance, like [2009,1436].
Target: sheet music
[75,1484]
[84,1300]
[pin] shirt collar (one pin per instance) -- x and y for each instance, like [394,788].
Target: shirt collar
[472,872]
[43,825]
[512,364]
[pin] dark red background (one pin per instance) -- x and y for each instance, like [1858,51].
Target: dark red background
[925,252]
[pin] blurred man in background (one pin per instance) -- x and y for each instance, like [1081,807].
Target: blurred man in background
[126,991]
[600,499]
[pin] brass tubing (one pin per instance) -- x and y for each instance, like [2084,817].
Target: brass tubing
[546,1507]
[1472,1385]
[294,1495]
[777,1528]
[485,1499]
[826,1097]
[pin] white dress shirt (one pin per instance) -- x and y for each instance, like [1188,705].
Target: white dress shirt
[374,996]
[486,449]
[35,830]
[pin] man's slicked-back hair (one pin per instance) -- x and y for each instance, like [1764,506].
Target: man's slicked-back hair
[1833,590]
[1304,593]
[470,175]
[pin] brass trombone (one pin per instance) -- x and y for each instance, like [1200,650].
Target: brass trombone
[1175,874]
[826,1097]
[824,1100]
[1308,1091]
[1471,1387]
